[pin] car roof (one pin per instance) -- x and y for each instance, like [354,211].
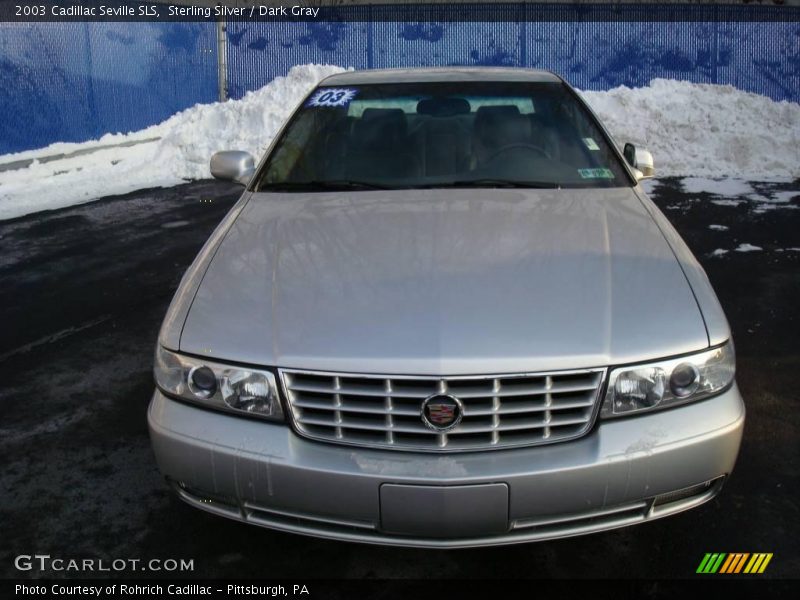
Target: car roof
[435,74]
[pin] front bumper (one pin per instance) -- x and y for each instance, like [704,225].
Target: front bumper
[625,471]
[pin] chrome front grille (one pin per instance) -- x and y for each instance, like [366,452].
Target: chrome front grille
[498,411]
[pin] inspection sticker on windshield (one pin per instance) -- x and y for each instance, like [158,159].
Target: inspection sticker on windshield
[591,144]
[596,173]
[332,97]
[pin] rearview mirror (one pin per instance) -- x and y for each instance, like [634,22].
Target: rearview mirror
[233,165]
[641,160]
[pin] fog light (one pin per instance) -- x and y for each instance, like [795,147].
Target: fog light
[202,382]
[690,492]
[684,380]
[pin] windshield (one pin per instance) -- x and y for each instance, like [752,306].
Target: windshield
[454,134]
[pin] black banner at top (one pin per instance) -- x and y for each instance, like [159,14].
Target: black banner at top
[32,11]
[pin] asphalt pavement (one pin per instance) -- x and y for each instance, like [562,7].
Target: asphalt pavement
[82,294]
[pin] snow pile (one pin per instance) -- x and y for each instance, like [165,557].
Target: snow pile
[703,129]
[248,124]
[186,142]
[691,129]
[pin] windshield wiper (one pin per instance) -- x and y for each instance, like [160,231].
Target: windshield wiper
[320,185]
[500,183]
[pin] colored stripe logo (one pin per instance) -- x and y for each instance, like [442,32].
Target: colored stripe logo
[735,562]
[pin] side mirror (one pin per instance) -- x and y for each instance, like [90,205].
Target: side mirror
[233,165]
[641,160]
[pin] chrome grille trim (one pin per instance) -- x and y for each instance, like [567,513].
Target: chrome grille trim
[500,411]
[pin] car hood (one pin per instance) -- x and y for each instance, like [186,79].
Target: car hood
[447,281]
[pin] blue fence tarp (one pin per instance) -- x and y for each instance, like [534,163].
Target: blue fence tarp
[77,81]
[758,57]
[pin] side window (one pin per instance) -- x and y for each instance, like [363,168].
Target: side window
[580,140]
[312,148]
[573,116]
[287,155]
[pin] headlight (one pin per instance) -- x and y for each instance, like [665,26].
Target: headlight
[233,389]
[669,382]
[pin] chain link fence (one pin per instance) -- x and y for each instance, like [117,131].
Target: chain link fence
[77,81]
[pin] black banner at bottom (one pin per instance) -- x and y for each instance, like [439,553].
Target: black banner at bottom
[346,589]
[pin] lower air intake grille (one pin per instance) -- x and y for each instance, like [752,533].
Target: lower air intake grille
[496,411]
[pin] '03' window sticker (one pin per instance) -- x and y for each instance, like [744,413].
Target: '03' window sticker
[332,97]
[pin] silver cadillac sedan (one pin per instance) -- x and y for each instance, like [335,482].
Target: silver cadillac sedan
[444,313]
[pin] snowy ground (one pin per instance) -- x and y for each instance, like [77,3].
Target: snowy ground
[738,214]
[84,292]
[706,131]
